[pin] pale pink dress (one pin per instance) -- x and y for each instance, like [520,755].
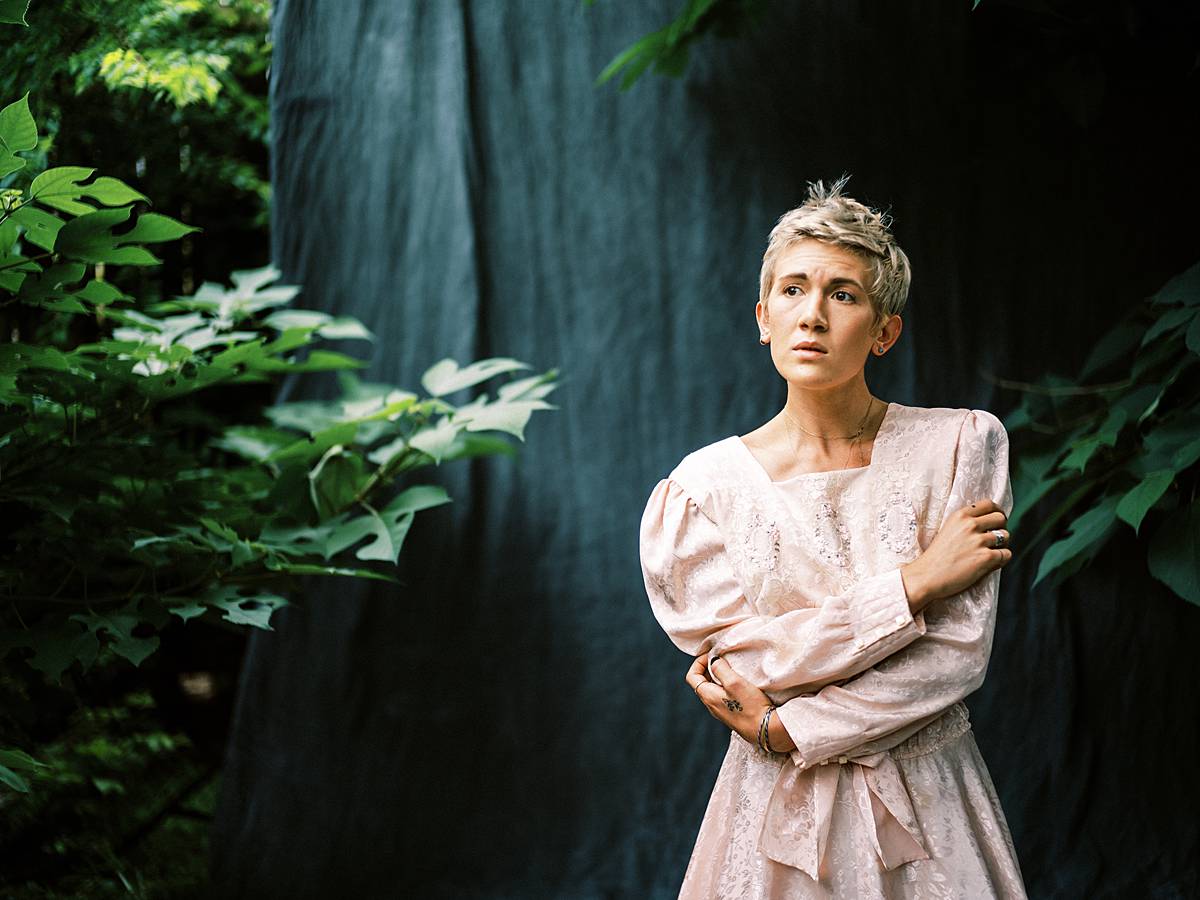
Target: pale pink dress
[796,583]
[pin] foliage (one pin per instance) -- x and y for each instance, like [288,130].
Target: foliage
[1124,450]
[187,80]
[120,808]
[127,502]
[666,50]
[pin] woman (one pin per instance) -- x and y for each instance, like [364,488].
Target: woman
[835,574]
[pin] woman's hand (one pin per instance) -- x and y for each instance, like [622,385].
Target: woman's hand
[735,702]
[959,555]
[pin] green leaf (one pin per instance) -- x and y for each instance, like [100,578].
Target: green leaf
[1186,455]
[55,648]
[1138,501]
[390,525]
[254,443]
[445,377]
[468,446]
[13,780]
[41,228]
[119,626]
[1183,289]
[387,528]
[1119,343]
[12,12]
[644,46]
[90,237]
[18,132]
[343,327]
[305,415]
[188,610]
[438,440]
[19,759]
[335,481]
[510,417]
[1105,436]
[417,498]
[252,609]
[535,387]
[315,445]
[318,361]
[1192,338]
[1168,321]
[1031,480]
[60,188]
[1174,555]
[1086,535]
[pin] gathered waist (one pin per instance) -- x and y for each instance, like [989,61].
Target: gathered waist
[949,726]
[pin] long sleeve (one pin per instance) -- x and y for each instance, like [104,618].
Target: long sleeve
[696,598]
[914,686]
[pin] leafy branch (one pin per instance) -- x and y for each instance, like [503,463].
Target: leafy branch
[1124,450]
[132,498]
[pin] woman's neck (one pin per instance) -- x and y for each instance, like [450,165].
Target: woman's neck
[829,423]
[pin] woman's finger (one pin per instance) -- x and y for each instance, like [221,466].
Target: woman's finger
[695,674]
[726,673]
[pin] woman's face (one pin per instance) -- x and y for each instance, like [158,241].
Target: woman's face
[818,295]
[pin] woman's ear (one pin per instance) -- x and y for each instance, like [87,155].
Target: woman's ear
[764,323]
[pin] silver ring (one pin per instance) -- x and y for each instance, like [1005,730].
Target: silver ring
[1000,538]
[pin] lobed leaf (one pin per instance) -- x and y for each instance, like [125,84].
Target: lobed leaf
[61,188]
[18,132]
[445,377]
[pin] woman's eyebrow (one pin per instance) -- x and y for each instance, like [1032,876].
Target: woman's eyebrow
[803,276]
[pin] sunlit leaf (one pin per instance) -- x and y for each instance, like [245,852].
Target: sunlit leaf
[62,189]
[445,377]
[438,440]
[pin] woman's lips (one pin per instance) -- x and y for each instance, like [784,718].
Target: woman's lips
[806,353]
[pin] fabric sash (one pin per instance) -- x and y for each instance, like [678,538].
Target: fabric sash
[799,812]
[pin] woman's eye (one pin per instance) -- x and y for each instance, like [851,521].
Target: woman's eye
[790,289]
[843,295]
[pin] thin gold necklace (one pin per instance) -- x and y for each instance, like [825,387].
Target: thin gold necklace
[850,437]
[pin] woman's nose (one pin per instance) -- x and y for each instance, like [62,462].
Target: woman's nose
[811,314]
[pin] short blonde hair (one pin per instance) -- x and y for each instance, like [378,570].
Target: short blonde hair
[827,215]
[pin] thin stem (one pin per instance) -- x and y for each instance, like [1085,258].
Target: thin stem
[1065,390]
[29,259]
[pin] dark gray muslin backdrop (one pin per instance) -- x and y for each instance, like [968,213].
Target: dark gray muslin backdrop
[513,722]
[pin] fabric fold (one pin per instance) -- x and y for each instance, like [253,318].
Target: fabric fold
[799,813]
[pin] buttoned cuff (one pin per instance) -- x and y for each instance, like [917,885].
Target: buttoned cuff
[886,616]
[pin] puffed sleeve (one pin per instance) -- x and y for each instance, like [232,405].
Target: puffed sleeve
[698,601]
[915,685]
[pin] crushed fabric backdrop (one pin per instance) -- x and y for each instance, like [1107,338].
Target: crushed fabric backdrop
[512,722]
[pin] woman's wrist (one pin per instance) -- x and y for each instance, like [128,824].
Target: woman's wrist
[778,737]
[914,589]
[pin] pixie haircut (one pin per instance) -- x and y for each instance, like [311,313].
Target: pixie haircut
[827,215]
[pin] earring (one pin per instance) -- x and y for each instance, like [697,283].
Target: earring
[764,338]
